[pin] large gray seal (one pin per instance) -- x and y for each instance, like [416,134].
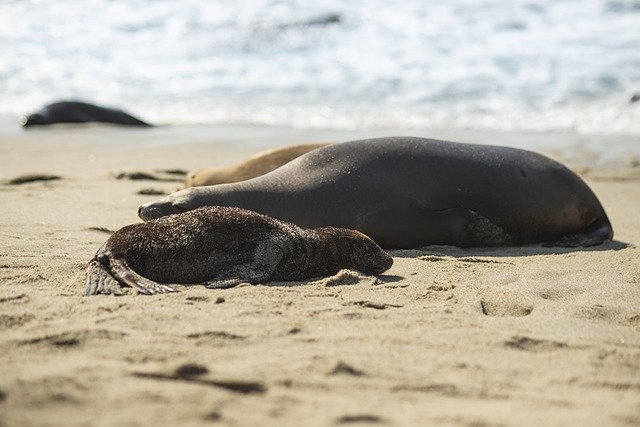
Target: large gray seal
[406,192]
[79,112]
[222,247]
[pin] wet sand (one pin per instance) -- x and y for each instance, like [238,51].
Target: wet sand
[515,336]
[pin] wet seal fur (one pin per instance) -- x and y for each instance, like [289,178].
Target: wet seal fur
[79,112]
[256,165]
[407,192]
[222,247]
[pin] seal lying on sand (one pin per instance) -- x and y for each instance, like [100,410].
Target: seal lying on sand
[222,247]
[78,112]
[411,192]
[256,165]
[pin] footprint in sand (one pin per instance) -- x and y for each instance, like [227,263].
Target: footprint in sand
[505,304]
[26,179]
[375,305]
[362,418]
[100,230]
[149,191]
[610,314]
[214,337]
[533,345]
[194,373]
[146,176]
[16,299]
[51,389]
[73,339]
[8,321]
[342,368]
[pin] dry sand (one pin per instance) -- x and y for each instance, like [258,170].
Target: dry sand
[517,336]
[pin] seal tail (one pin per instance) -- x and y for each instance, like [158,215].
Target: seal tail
[598,233]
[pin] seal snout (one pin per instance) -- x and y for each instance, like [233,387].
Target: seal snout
[156,210]
[386,261]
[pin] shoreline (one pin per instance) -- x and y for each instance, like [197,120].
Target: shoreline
[523,335]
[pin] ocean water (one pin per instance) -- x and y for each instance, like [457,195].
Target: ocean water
[533,65]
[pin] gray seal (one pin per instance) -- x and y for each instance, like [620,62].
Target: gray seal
[79,112]
[222,247]
[407,192]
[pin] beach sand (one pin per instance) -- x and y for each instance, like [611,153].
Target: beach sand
[501,336]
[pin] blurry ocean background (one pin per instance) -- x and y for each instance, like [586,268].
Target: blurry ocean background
[536,65]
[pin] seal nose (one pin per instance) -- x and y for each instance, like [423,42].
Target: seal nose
[386,263]
[150,211]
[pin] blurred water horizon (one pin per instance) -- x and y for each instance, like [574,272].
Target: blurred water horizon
[539,65]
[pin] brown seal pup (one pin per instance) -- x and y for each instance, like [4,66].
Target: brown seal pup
[407,192]
[256,165]
[222,247]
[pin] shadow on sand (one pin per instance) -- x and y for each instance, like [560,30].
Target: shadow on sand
[510,251]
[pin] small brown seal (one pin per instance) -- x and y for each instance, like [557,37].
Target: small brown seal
[259,164]
[222,247]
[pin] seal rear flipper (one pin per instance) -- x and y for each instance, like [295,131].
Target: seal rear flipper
[597,234]
[100,281]
[127,276]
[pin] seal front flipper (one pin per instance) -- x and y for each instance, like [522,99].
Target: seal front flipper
[223,284]
[267,256]
[452,226]
[259,270]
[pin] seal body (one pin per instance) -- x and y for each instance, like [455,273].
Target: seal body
[256,165]
[407,192]
[79,112]
[222,247]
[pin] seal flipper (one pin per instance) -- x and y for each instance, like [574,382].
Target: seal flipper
[244,273]
[600,232]
[100,281]
[127,276]
[223,284]
[268,255]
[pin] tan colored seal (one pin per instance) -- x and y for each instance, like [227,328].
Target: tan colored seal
[259,164]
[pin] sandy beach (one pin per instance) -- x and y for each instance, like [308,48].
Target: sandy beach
[475,337]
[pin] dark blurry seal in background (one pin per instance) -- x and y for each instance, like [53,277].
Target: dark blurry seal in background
[407,192]
[222,247]
[79,112]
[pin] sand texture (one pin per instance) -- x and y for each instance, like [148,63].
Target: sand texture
[516,336]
